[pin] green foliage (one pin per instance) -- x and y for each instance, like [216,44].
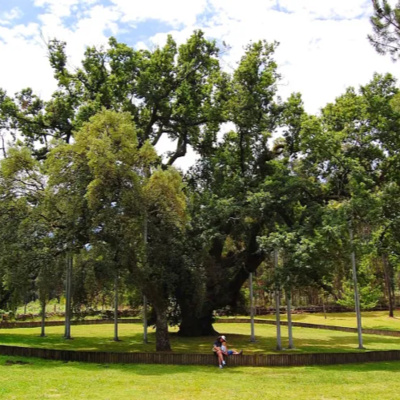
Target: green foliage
[85,179]
[173,91]
[369,296]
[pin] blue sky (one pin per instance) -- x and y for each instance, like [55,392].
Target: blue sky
[323,43]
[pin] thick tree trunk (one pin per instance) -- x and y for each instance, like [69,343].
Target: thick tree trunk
[388,284]
[220,292]
[197,314]
[195,325]
[162,337]
[4,300]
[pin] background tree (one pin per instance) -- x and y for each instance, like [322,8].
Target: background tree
[164,264]
[386,26]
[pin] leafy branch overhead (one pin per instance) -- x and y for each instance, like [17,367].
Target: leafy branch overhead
[177,92]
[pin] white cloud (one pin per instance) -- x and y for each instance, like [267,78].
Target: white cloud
[323,44]
[241,10]
[29,66]
[141,46]
[317,57]
[89,30]
[98,20]
[174,12]
[180,36]
[62,8]
[8,16]
[25,49]
[346,9]
[59,8]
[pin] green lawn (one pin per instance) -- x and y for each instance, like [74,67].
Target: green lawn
[39,379]
[370,319]
[98,338]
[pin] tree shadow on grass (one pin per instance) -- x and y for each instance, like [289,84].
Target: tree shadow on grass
[134,369]
[133,342]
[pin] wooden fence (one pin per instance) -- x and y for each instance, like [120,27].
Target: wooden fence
[37,324]
[256,360]
[382,332]
[283,360]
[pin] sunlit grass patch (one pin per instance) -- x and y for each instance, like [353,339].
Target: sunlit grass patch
[40,379]
[370,319]
[99,338]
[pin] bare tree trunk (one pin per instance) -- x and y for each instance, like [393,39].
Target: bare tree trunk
[356,296]
[388,284]
[289,318]
[116,339]
[43,315]
[68,291]
[145,339]
[277,307]
[278,319]
[3,147]
[323,307]
[252,336]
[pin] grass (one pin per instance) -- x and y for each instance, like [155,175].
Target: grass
[34,307]
[370,319]
[23,378]
[35,379]
[99,338]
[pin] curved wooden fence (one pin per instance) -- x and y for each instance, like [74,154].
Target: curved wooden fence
[38,324]
[202,359]
[255,360]
[382,332]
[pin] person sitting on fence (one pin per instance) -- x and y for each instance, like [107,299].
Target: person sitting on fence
[227,352]
[218,351]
